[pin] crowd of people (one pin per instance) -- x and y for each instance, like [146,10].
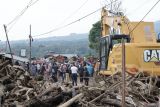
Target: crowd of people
[65,72]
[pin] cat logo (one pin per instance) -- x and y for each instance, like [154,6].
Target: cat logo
[152,55]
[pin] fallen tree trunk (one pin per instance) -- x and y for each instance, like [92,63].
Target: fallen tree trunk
[87,104]
[4,64]
[69,102]
[54,99]
[115,102]
[152,105]
[5,80]
[2,70]
[48,91]
[111,88]
[47,102]
[10,86]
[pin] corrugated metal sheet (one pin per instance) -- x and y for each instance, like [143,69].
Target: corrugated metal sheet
[67,55]
[18,58]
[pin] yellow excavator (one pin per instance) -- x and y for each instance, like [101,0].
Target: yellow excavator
[142,47]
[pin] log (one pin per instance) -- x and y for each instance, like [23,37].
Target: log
[20,68]
[9,87]
[133,78]
[34,102]
[5,80]
[115,102]
[72,100]
[152,105]
[87,104]
[1,75]
[2,90]
[19,73]
[2,70]
[48,102]
[4,64]
[54,99]
[107,90]
[49,90]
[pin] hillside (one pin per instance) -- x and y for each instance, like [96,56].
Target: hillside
[71,37]
[70,44]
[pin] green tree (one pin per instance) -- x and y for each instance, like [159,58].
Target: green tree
[94,36]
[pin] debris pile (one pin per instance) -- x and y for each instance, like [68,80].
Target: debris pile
[141,91]
[18,88]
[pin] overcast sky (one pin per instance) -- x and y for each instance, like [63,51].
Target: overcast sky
[46,15]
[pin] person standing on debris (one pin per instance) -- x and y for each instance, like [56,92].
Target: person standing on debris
[69,70]
[86,75]
[50,67]
[54,72]
[55,67]
[43,69]
[67,73]
[62,72]
[90,69]
[74,71]
[46,73]
[81,73]
[33,69]
[64,69]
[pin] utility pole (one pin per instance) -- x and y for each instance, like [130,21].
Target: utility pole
[123,73]
[30,48]
[5,28]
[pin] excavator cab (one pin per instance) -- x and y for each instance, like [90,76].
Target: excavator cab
[106,45]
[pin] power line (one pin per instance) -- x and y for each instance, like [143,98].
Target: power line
[74,12]
[58,28]
[139,7]
[34,3]
[21,13]
[144,16]
[13,22]
[67,24]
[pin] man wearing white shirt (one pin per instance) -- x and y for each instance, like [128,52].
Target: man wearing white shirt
[74,71]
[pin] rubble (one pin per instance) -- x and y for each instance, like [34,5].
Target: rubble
[19,89]
[141,91]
